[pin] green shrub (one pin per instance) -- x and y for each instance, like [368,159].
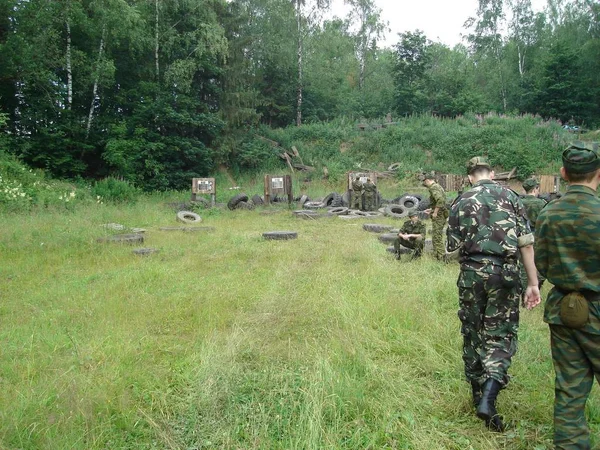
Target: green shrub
[112,190]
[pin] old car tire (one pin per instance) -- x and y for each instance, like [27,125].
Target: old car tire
[257,199]
[388,238]
[232,203]
[376,227]
[128,238]
[188,217]
[409,202]
[280,235]
[396,211]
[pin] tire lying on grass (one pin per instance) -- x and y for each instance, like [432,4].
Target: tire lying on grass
[144,251]
[245,205]
[334,200]
[376,227]
[233,202]
[257,200]
[188,217]
[280,235]
[128,238]
[388,238]
[339,211]
[396,211]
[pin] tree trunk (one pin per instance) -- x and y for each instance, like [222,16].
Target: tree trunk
[299,100]
[96,81]
[156,43]
[521,60]
[69,69]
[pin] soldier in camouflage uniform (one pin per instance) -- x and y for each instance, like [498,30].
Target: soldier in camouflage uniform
[438,213]
[357,192]
[533,205]
[487,223]
[370,195]
[567,252]
[411,235]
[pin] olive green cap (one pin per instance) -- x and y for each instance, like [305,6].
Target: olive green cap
[476,163]
[581,157]
[429,176]
[413,214]
[530,183]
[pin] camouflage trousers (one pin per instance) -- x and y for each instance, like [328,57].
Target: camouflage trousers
[356,200]
[415,244]
[489,313]
[576,358]
[369,201]
[437,233]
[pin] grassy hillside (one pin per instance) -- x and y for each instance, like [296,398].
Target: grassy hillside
[225,340]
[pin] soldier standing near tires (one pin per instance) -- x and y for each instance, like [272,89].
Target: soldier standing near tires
[357,192]
[487,224]
[411,235]
[533,205]
[438,212]
[370,195]
[567,252]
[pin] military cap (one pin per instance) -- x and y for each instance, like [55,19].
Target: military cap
[429,176]
[476,163]
[413,214]
[530,183]
[581,157]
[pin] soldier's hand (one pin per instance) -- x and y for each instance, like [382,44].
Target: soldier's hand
[428,210]
[532,297]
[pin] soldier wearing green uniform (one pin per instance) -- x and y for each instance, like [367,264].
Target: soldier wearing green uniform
[438,213]
[357,192]
[487,224]
[411,235]
[567,253]
[370,195]
[533,205]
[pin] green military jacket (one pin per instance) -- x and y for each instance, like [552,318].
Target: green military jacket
[489,225]
[369,188]
[437,196]
[413,228]
[567,250]
[533,205]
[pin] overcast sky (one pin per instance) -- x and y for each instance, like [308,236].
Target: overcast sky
[440,20]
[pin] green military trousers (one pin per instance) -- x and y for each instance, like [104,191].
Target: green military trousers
[415,244]
[576,358]
[489,314]
[437,233]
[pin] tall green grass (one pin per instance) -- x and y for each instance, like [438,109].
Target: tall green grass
[225,340]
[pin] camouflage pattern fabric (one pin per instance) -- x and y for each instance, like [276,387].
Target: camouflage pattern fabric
[533,205]
[416,244]
[489,314]
[437,198]
[357,191]
[488,224]
[370,196]
[567,252]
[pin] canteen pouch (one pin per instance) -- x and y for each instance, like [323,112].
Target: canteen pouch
[574,310]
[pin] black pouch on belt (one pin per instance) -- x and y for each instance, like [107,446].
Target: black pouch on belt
[574,310]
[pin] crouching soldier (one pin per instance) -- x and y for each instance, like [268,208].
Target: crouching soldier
[411,235]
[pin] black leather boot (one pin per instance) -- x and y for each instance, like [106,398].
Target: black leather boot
[487,406]
[476,389]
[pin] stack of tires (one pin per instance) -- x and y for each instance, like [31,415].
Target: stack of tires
[403,205]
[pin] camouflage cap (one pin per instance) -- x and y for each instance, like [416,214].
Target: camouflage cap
[476,163]
[413,214]
[581,157]
[429,176]
[530,183]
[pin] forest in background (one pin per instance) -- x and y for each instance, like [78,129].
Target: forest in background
[156,92]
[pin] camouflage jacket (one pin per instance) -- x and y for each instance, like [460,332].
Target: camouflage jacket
[413,228]
[567,250]
[357,186]
[369,188]
[533,205]
[488,224]
[437,196]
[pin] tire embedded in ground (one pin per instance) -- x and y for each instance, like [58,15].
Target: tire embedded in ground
[144,251]
[376,227]
[128,238]
[409,202]
[338,211]
[233,202]
[388,237]
[187,229]
[188,217]
[280,235]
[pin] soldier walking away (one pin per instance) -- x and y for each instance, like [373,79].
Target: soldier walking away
[357,193]
[487,224]
[533,205]
[370,195]
[411,235]
[438,213]
[567,253]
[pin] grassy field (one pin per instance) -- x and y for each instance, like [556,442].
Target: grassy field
[226,340]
